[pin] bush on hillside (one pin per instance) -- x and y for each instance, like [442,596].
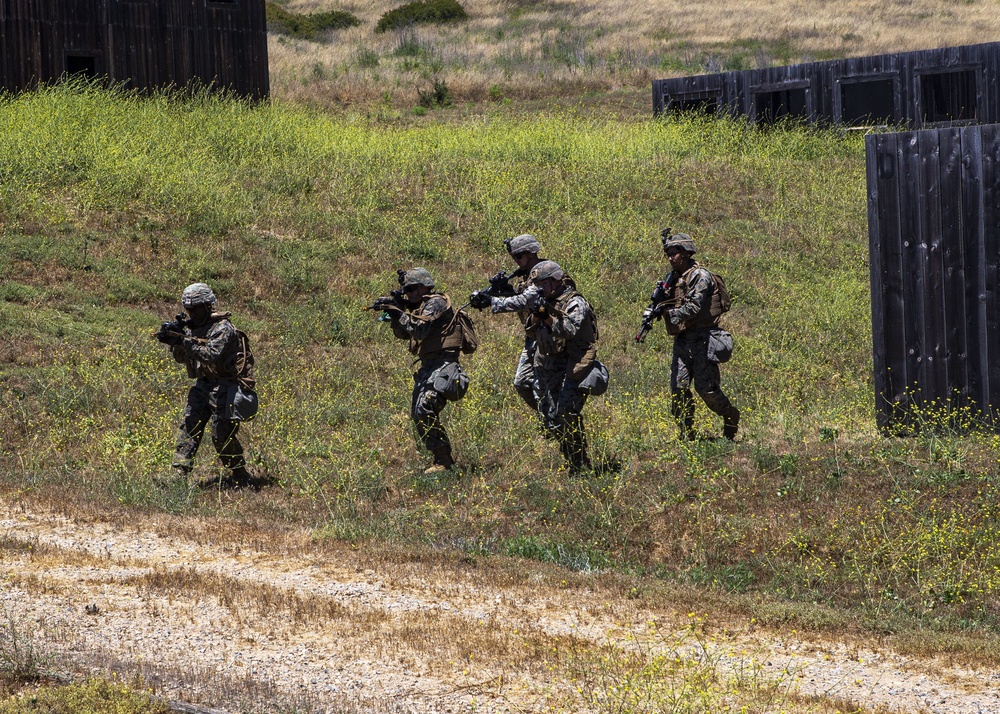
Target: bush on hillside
[307,27]
[421,12]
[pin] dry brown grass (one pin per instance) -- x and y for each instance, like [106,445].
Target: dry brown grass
[525,49]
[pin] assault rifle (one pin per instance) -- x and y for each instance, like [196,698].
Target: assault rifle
[172,332]
[657,301]
[392,301]
[499,287]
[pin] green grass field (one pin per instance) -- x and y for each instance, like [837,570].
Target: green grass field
[111,204]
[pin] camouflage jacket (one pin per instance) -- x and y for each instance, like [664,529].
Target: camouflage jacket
[430,327]
[692,296]
[527,296]
[572,335]
[212,350]
[521,303]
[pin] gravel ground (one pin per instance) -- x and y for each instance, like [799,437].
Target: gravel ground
[234,626]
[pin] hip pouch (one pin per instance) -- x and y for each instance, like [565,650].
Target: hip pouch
[596,381]
[451,381]
[241,403]
[720,345]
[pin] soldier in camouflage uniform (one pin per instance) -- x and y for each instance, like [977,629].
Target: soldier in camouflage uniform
[429,323]
[211,349]
[564,328]
[690,314]
[524,250]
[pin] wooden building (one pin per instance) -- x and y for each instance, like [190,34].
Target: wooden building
[141,44]
[942,87]
[934,232]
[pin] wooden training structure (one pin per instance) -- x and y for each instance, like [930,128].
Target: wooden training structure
[140,44]
[934,232]
[940,87]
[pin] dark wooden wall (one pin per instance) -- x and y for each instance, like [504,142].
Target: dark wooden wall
[948,86]
[141,44]
[934,231]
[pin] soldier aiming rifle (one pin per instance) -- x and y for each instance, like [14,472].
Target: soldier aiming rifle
[502,296]
[218,357]
[691,300]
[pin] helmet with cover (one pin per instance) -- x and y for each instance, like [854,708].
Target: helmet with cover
[417,276]
[197,294]
[546,269]
[524,243]
[677,240]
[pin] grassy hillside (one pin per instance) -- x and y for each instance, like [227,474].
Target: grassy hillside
[109,205]
[530,49]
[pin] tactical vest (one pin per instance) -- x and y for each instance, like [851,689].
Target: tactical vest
[708,316]
[581,350]
[228,365]
[446,335]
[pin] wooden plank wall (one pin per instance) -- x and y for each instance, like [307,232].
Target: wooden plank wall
[736,91]
[141,44]
[934,233]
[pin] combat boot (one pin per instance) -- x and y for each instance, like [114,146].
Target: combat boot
[240,477]
[686,432]
[731,424]
[179,474]
[682,410]
[442,460]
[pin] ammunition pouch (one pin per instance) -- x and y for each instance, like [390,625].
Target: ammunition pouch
[596,380]
[451,381]
[241,402]
[720,345]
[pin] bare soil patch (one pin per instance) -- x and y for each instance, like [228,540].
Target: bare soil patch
[207,616]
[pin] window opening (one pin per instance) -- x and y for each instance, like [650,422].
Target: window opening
[949,97]
[770,106]
[81,66]
[868,102]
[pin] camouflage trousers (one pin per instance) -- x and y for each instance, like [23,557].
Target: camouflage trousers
[206,404]
[426,405]
[524,377]
[560,405]
[691,363]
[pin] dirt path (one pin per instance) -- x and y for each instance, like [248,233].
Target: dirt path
[231,621]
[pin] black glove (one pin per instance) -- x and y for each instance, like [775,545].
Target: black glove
[386,304]
[170,338]
[480,300]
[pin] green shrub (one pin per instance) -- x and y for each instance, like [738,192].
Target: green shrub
[438,95]
[307,27]
[96,696]
[421,12]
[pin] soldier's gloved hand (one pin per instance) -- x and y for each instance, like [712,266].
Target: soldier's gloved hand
[657,310]
[480,300]
[170,338]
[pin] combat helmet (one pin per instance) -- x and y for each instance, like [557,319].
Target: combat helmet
[677,240]
[524,243]
[416,276]
[546,269]
[197,294]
